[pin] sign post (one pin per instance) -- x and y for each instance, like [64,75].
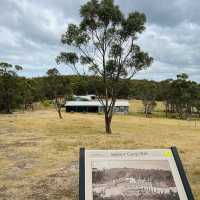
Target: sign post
[132,174]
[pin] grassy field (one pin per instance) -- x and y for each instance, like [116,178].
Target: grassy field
[39,152]
[136,107]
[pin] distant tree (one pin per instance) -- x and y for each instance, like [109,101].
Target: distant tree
[182,76]
[197,104]
[165,93]
[181,96]
[56,85]
[105,43]
[26,92]
[148,94]
[80,85]
[124,89]
[8,86]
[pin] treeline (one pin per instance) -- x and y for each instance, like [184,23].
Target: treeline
[180,96]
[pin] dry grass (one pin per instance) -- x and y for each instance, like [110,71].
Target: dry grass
[39,152]
[137,107]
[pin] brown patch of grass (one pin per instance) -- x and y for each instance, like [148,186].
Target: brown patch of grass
[39,152]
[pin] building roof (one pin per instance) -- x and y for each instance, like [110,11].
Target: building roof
[95,103]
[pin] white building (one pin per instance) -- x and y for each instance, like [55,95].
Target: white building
[89,103]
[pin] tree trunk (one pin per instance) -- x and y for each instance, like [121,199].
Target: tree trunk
[8,110]
[7,104]
[24,105]
[58,108]
[146,110]
[59,112]
[166,109]
[108,120]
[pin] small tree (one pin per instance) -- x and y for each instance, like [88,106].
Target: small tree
[165,92]
[8,85]
[181,96]
[56,84]
[104,41]
[148,94]
[26,93]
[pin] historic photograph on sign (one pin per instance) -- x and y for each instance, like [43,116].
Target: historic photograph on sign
[133,180]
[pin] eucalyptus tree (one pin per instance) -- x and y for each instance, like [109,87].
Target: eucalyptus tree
[26,93]
[104,43]
[181,96]
[166,96]
[148,94]
[53,76]
[8,85]
[58,86]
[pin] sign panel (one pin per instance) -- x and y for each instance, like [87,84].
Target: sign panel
[154,174]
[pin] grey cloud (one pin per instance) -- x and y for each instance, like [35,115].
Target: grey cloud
[30,34]
[176,46]
[161,71]
[164,13]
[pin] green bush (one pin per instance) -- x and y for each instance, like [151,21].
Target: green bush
[47,103]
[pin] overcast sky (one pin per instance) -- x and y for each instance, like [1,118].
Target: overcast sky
[30,34]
